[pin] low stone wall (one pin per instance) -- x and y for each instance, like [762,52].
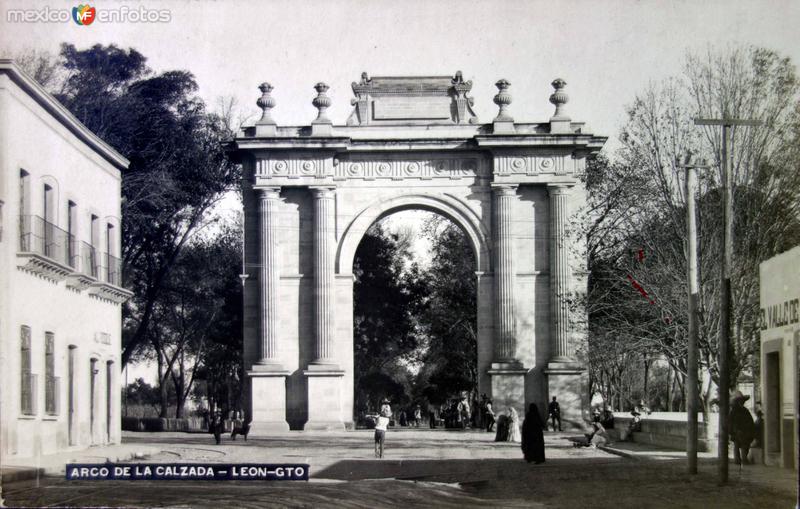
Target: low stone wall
[160,424]
[668,429]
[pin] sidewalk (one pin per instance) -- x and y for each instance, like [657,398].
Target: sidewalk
[16,469]
[773,478]
[421,468]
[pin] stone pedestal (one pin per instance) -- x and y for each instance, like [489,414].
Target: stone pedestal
[268,390]
[324,399]
[508,386]
[567,381]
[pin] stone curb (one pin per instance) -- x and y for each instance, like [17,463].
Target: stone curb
[14,474]
[619,452]
[57,468]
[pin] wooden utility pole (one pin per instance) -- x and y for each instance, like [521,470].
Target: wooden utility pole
[725,289]
[692,393]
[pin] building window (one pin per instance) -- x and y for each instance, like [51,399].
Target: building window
[51,381]
[72,237]
[93,371]
[94,233]
[24,193]
[51,241]
[112,262]
[28,382]
[24,211]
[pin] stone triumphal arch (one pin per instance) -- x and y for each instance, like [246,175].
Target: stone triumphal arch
[311,192]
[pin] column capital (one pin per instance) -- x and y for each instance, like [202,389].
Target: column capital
[268,193]
[322,191]
[504,189]
[559,188]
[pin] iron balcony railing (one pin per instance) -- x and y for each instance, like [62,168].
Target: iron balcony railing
[46,239]
[51,392]
[89,262]
[28,393]
[42,237]
[113,270]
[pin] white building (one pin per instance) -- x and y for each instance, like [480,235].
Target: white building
[780,357]
[60,289]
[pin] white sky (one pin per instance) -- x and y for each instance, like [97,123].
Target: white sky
[607,50]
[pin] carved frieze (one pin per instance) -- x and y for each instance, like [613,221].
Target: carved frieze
[533,165]
[424,169]
[293,168]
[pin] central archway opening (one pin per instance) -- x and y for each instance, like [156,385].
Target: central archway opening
[415,340]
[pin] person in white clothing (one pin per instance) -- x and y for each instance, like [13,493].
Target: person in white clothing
[380,433]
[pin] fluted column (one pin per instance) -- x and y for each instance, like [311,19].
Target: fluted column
[559,274]
[324,245]
[269,275]
[505,344]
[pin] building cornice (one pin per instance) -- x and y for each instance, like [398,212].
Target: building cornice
[59,112]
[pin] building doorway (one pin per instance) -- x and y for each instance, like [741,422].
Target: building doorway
[109,398]
[773,387]
[92,398]
[71,396]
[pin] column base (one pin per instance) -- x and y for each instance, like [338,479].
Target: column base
[324,398]
[268,400]
[266,429]
[567,382]
[508,386]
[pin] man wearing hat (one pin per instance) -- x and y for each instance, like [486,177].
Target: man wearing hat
[742,428]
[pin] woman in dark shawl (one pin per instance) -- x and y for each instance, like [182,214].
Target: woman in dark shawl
[502,428]
[533,436]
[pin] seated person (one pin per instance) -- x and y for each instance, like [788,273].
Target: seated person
[607,419]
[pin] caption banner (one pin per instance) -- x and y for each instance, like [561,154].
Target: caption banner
[186,472]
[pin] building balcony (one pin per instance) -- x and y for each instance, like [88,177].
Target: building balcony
[83,260]
[28,392]
[53,253]
[44,248]
[109,281]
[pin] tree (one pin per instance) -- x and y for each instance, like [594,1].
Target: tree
[220,359]
[143,395]
[449,322]
[178,166]
[637,239]
[42,66]
[384,331]
[199,307]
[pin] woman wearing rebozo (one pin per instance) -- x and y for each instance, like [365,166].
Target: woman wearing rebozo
[533,436]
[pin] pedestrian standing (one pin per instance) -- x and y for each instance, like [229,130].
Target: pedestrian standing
[742,428]
[533,436]
[380,433]
[514,434]
[502,428]
[432,415]
[554,413]
[217,426]
[489,416]
[417,416]
[463,412]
